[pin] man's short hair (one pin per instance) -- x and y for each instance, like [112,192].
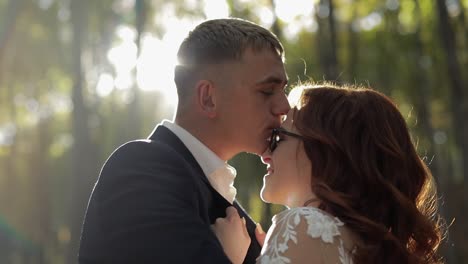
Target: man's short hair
[217,41]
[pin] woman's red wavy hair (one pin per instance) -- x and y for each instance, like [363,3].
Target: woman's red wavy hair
[366,172]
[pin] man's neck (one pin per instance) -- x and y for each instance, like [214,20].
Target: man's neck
[207,134]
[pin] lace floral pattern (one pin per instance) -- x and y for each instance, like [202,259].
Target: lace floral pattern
[319,225]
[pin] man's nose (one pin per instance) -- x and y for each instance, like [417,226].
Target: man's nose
[281,106]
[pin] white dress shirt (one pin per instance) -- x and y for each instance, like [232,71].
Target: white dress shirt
[219,173]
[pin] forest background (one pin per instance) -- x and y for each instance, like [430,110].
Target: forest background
[78,78]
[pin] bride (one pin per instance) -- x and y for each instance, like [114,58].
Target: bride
[356,190]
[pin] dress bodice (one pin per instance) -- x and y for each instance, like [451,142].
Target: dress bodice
[307,235]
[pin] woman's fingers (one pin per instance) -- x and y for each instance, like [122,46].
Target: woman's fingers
[231,213]
[260,234]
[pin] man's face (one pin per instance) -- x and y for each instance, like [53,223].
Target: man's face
[252,101]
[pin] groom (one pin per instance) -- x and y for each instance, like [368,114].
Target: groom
[155,199]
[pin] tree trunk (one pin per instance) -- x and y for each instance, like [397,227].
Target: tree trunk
[11,185]
[7,27]
[421,98]
[458,93]
[275,27]
[40,208]
[386,60]
[353,61]
[82,153]
[327,39]
[423,90]
[134,121]
[458,101]
[9,22]
[462,17]
[333,59]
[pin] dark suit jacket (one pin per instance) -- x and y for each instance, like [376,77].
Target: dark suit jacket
[153,204]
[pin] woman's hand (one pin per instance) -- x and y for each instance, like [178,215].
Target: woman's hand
[232,233]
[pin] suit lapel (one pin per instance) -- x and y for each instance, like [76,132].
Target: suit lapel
[216,203]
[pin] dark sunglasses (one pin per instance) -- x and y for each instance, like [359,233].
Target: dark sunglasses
[275,137]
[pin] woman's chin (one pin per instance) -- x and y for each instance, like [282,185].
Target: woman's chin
[264,195]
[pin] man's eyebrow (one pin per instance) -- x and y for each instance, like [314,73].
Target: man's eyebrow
[273,79]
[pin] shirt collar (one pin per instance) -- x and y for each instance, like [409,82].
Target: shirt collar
[207,159]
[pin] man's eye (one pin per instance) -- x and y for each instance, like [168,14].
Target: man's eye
[268,92]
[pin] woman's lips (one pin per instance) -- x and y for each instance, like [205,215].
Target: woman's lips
[267,161]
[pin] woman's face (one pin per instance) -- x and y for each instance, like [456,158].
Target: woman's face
[288,178]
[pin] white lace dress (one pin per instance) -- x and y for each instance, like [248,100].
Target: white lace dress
[306,235]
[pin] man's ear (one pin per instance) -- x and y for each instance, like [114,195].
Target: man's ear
[206,98]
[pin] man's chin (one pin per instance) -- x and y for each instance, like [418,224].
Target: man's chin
[253,153]
[261,150]
[256,150]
